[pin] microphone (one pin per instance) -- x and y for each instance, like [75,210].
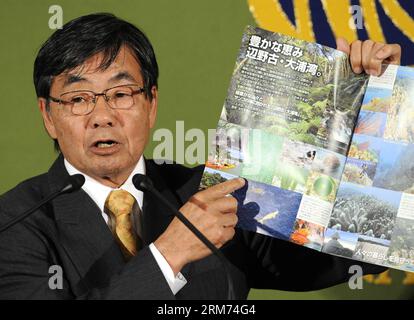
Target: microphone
[73,183]
[143,183]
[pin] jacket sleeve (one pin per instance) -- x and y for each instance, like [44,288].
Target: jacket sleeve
[281,265]
[26,256]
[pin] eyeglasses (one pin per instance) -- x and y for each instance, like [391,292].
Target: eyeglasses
[82,102]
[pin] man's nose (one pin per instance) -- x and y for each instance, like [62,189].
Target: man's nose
[102,115]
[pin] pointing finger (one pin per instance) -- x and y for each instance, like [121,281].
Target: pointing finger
[222,189]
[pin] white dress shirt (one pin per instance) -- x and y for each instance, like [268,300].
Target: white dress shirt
[99,192]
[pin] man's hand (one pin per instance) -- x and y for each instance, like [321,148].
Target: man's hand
[369,55]
[212,212]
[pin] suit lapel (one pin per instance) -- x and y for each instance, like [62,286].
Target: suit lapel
[156,217]
[83,234]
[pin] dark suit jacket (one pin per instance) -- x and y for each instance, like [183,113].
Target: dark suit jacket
[70,232]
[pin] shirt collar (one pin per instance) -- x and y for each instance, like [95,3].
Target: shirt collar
[99,192]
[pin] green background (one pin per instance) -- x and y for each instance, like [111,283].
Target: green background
[196,44]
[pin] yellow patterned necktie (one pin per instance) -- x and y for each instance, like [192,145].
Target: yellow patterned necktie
[119,205]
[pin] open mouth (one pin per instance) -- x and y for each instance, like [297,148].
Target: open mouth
[102,144]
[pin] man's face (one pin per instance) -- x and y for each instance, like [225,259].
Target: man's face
[80,137]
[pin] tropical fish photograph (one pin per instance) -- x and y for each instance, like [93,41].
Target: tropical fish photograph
[359,171]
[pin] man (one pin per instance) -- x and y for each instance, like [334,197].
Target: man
[96,82]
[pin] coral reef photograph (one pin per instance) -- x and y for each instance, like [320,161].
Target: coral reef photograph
[365,210]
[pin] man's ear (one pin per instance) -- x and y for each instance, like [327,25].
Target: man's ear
[47,118]
[153,106]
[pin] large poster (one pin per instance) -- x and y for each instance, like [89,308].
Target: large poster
[196,43]
[387,21]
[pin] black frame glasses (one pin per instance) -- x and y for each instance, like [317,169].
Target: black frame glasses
[83,102]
